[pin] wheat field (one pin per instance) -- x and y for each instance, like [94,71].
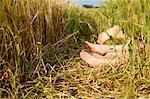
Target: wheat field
[40,41]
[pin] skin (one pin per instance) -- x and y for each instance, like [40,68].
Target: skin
[103,49]
[111,57]
[105,54]
[93,60]
[115,32]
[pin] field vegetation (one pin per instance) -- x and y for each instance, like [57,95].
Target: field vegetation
[40,41]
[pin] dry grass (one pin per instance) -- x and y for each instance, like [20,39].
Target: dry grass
[40,41]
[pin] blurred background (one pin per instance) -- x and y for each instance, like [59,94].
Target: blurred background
[89,2]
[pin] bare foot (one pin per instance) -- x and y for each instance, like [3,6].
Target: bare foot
[115,32]
[104,49]
[96,61]
[96,48]
[120,54]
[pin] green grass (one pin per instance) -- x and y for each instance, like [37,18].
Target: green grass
[40,43]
